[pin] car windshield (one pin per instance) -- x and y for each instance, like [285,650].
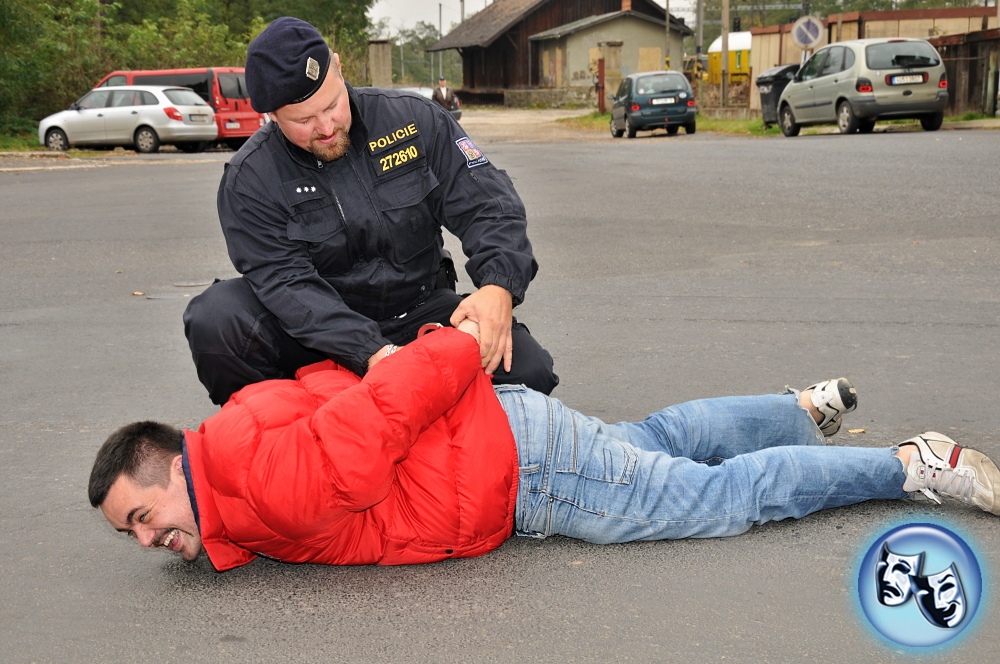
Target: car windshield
[184,97]
[655,84]
[900,54]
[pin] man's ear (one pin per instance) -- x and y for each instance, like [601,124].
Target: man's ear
[336,62]
[177,466]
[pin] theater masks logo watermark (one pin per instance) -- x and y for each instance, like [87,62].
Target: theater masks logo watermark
[920,585]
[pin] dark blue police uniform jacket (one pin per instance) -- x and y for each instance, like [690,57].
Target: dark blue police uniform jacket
[330,248]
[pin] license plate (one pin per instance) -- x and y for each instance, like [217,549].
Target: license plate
[664,100]
[233,124]
[908,79]
[198,118]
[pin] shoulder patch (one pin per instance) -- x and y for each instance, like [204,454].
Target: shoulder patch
[473,155]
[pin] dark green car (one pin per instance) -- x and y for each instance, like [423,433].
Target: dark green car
[653,100]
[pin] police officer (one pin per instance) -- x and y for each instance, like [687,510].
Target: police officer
[333,213]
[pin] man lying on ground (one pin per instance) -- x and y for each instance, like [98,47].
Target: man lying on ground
[423,460]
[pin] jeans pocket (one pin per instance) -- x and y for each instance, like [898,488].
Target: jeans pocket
[598,456]
[529,513]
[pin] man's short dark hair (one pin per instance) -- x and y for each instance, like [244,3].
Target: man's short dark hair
[141,451]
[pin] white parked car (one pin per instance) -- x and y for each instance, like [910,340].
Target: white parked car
[138,116]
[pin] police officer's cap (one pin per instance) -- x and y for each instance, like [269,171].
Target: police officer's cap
[286,64]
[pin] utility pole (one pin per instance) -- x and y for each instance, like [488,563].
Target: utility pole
[700,34]
[666,58]
[725,53]
[461,16]
[699,41]
[440,53]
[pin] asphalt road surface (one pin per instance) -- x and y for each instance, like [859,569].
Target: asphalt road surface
[671,268]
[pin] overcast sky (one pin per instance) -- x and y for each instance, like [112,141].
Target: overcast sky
[406,13]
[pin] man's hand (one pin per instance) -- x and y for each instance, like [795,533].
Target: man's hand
[469,327]
[492,307]
[380,354]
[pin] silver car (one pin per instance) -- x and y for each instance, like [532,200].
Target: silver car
[138,116]
[854,83]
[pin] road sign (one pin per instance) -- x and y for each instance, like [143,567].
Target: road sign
[807,32]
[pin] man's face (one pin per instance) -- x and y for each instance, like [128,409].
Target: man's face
[321,123]
[156,516]
[443,83]
[941,598]
[894,576]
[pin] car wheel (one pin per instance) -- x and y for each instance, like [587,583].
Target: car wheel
[56,139]
[629,129]
[789,127]
[146,140]
[932,122]
[672,131]
[845,119]
[866,126]
[196,146]
[616,133]
[689,128]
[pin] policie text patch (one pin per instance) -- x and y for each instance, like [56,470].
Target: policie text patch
[473,155]
[396,148]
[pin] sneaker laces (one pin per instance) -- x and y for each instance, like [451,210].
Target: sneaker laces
[951,482]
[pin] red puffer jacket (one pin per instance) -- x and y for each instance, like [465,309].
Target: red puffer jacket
[413,464]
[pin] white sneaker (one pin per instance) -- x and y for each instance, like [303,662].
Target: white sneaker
[942,466]
[832,398]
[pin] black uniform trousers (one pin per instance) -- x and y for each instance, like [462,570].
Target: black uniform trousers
[236,341]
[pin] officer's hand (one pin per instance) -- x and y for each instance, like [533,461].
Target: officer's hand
[492,307]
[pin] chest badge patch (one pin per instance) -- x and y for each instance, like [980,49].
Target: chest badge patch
[473,155]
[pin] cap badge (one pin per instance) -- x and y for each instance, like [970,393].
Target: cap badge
[312,69]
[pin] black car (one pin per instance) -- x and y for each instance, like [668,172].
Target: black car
[653,100]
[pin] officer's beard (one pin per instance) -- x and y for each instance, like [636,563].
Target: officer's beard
[331,151]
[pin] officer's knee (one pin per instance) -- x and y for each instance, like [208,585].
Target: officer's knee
[533,365]
[212,317]
[540,376]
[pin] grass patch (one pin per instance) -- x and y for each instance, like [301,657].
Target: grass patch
[600,121]
[593,120]
[19,143]
[969,117]
[755,127]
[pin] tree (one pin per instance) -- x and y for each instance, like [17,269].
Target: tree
[53,52]
[412,64]
[188,38]
[19,30]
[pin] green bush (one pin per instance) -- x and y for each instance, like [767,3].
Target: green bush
[54,52]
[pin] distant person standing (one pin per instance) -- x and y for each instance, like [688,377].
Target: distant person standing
[445,95]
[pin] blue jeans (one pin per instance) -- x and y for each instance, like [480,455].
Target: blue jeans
[706,468]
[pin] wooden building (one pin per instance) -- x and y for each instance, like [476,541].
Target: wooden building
[496,46]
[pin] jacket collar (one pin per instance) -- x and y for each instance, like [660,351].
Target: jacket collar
[222,552]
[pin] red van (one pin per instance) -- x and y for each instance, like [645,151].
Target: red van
[224,88]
